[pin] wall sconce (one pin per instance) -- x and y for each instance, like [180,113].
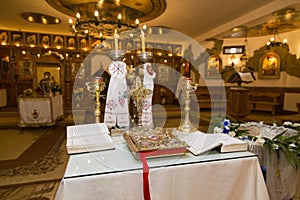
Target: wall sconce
[233,60]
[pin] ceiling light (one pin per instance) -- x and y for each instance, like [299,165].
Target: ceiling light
[30,18]
[92,18]
[276,41]
[40,18]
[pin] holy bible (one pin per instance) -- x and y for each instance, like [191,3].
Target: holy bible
[88,137]
[199,142]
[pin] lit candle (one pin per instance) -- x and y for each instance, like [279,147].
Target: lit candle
[116,39]
[143,40]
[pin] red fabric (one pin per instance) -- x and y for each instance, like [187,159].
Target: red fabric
[145,177]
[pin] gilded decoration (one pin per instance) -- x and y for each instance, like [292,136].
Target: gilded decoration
[288,62]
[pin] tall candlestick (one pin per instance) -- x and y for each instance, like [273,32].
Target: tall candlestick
[116,36]
[143,41]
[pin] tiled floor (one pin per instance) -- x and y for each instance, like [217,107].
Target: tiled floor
[37,191]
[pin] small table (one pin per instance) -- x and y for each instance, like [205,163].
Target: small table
[115,174]
[40,111]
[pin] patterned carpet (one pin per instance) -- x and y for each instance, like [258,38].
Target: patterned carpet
[36,173]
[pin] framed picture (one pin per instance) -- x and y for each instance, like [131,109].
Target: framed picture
[45,40]
[269,66]
[169,48]
[58,41]
[83,43]
[233,49]
[3,37]
[53,73]
[177,50]
[138,45]
[129,45]
[25,69]
[17,38]
[213,65]
[77,71]
[71,42]
[31,39]
[5,65]
[150,46]
[163,72]
[159,46]
[48,68]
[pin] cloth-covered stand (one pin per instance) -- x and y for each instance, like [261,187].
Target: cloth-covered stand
[116,107]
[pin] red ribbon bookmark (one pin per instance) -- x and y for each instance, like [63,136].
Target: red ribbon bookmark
[145,177]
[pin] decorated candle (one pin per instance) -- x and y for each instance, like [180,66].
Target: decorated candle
[116,36]
[143,40]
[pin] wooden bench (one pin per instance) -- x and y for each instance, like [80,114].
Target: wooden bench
[272,102]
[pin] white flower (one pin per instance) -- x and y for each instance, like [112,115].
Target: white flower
[231,133]
[293,145]
[296,124]
[218,130]
[260,141]
[227,128]
[288,123]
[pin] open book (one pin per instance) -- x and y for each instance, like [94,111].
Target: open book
[246,77]
[201,142]
[88,137]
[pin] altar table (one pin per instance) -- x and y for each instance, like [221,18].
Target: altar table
[40,111]
[115,174]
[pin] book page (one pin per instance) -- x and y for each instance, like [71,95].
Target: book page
[246,77]
[81,138]
[87,129]
[91,140]
[230,144]
[201,142]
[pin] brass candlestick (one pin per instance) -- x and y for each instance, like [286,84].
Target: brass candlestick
[139,92]
[97,86]
[186,125]
[116,54]
[145,57]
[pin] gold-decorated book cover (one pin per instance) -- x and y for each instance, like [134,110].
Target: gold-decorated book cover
[154,143]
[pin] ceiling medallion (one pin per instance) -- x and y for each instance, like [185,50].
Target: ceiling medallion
[101,18]
[40,18]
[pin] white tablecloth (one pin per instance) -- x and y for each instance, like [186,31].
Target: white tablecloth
[36,111]
[115,174]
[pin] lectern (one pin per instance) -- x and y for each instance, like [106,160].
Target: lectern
[238,96]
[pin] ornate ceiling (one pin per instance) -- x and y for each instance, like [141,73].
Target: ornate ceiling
[280,21]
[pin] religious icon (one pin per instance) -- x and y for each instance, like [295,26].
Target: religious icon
[25,69]
[270,66]
[71,43]
[31,39]
[58,41]
[17,39]
[3,38]
[213,67]
[45,41]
